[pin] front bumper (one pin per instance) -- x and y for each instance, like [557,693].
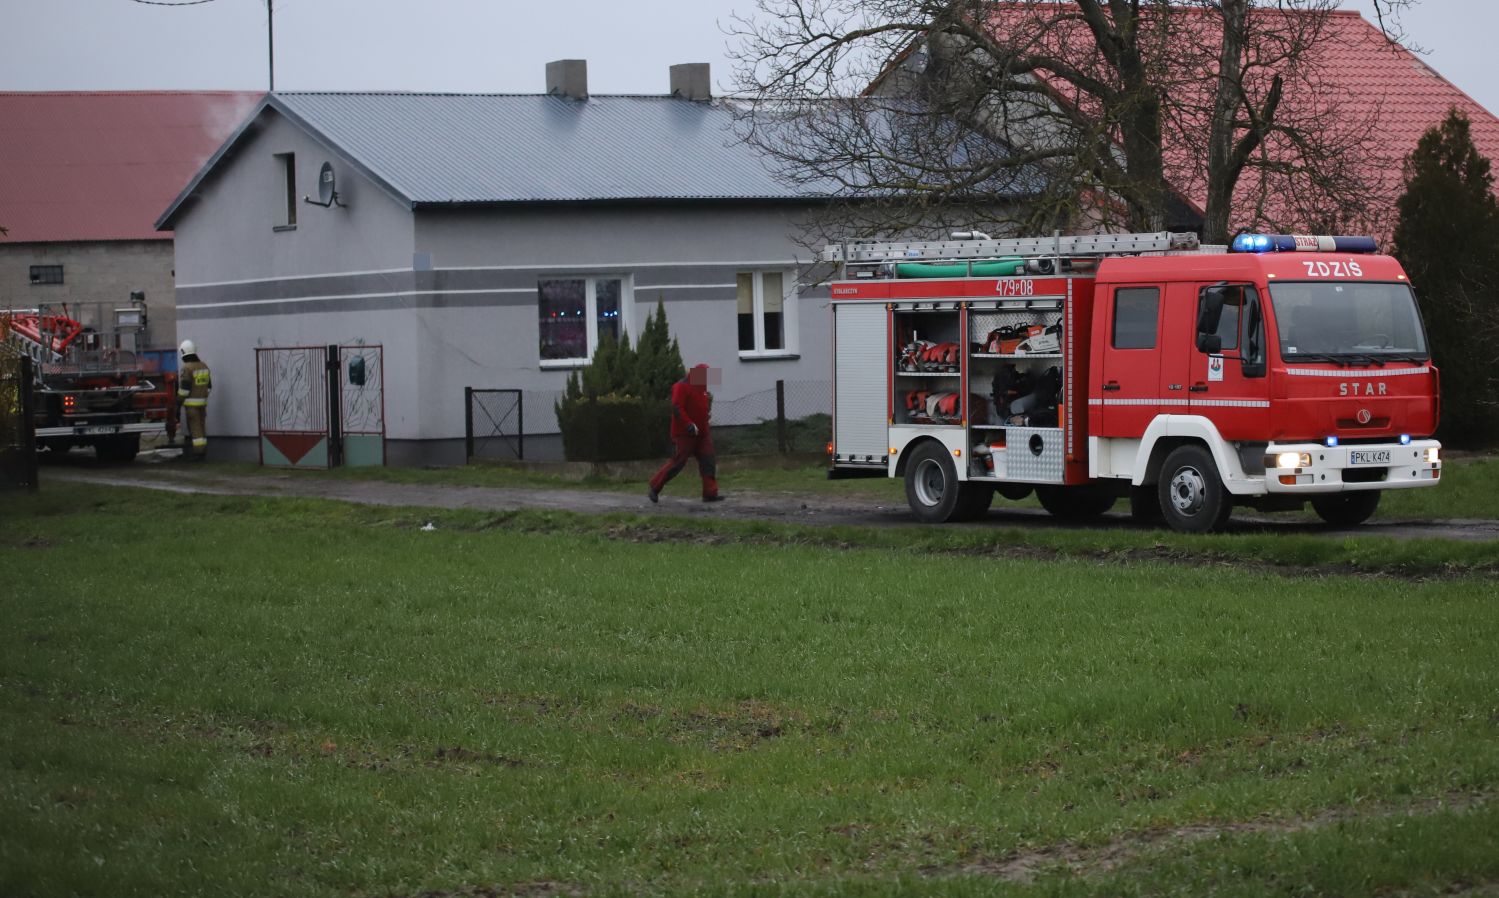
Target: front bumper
[1336,469]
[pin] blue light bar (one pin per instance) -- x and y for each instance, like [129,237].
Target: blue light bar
[1405,439]
[1332,442]
[1290,243]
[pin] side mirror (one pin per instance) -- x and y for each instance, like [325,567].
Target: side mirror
[1210,309]
[1209,314]
[1254,338]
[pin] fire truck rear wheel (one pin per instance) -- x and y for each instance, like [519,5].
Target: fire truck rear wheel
[1346,509]
[118,449]
[1192,495]
[932,487]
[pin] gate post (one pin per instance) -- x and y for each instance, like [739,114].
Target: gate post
[468,424]
[781,439]
[335,408]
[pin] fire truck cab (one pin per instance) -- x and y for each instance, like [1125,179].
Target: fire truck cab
[1138,366]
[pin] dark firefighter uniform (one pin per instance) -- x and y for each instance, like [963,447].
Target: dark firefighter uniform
[194,381]
[691,404]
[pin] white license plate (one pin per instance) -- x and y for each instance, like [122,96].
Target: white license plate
[100,428]
[1368,456]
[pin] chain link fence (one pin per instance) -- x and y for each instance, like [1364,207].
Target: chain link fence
[792,416]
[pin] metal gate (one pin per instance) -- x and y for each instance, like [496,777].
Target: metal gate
[361,405]
[321,406]
[18,463]
[494,423]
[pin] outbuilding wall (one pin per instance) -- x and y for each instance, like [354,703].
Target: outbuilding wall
[480,327]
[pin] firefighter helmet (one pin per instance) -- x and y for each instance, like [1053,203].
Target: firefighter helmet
[187,348]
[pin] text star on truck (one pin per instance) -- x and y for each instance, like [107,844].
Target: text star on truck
[1187,379]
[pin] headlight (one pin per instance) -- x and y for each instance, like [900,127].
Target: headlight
[1293,460]
[1433,454]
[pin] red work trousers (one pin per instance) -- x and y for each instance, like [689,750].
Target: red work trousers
[699,447]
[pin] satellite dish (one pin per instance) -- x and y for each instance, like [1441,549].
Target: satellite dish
[327,189]
[325,184]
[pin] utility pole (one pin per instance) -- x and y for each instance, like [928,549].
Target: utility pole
[270,33]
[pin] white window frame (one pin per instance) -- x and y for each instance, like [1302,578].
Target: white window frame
[591,312]
[789,317]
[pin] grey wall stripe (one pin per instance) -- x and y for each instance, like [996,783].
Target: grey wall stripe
[435,289]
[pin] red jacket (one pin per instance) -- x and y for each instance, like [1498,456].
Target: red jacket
[690,402]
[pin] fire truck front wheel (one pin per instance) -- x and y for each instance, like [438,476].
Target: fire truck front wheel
[1346,509]
[932,487]
[1192,495]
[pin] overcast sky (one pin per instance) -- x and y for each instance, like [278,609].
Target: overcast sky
[473,45]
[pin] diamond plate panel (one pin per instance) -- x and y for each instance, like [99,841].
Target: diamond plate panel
[1035,454]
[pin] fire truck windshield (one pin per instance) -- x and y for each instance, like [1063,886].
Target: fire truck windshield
[1347,322]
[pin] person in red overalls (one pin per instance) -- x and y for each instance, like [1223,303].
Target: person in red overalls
[691,404]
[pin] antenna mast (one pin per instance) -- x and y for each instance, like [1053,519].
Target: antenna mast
[270,31]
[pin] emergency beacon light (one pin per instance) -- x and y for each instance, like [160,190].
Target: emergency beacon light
[1290,243]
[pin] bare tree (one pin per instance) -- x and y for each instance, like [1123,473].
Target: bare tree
[1045,114]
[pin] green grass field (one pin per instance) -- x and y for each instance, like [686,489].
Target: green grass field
[223,696]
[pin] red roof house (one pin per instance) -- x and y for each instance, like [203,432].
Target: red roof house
[1355,79]
[102,166]
[83,177]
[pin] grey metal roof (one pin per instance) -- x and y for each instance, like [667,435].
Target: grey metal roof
[519,148]
[495,148]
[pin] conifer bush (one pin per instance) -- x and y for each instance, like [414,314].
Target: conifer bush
[618,406]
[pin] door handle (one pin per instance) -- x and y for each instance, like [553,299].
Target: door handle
[1198,388]
[1111,385]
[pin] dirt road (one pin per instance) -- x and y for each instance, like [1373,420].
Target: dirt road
[149,472]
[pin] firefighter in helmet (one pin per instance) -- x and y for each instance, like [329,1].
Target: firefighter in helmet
[194,381]
[691,405]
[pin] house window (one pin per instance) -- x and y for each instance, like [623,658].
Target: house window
[287,171]
[46,274]
[767,313]
[573,313]
[1135,315]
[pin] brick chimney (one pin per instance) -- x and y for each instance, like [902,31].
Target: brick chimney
[568,78]
[689,81]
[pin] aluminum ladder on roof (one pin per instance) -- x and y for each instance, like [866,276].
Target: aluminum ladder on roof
[1085,245]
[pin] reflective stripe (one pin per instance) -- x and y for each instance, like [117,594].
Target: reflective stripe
[194,403]
[1344,372]
[183,394]
[200,442]
[1214,403]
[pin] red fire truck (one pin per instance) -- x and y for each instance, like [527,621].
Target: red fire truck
[91,387]
[1185,379]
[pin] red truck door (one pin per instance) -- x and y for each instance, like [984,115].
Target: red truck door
[1229,387]
[1130,367]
